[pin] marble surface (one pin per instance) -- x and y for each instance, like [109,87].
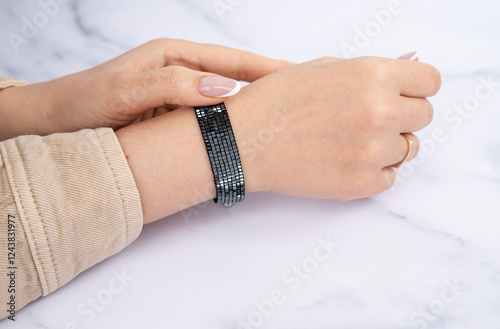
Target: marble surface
[425,254]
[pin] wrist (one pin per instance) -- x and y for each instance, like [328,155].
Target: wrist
[245,127]
[169,162]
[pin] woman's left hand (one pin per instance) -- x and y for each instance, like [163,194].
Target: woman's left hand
[144,82]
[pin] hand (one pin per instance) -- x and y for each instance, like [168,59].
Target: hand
[147,81]
[325,129]
[332,128]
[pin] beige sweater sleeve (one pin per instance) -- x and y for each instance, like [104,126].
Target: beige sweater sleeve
[9,82]
[67,201]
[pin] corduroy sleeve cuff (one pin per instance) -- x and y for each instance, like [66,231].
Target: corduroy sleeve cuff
[76,198]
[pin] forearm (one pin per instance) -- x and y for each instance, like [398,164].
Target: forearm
[167,154]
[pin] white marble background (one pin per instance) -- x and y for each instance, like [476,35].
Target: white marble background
[425,254]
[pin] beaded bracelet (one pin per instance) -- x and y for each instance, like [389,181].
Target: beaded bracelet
[223,153]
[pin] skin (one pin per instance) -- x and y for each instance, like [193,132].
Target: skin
[147,81]
[329,128]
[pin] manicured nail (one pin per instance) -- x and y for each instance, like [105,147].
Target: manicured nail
[219,87]
[411,56]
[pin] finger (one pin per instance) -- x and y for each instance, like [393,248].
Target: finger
[401,149]
[166,109]
[386,179]
[416,113]
[324,60]
[177,85]
[416,79]
[229,62]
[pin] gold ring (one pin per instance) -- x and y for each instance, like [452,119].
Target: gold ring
[410,147]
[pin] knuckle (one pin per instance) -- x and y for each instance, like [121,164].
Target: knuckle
[160,42]
[387,113]
[242,69]
[375,149]
[429,112]
[389,179]
[378,74]
[177,42]
[376,115]
[175,78]
[370,153]
[372,68]
[326,59]
[117,89]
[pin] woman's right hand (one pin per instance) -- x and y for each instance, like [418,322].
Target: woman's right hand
[331,128]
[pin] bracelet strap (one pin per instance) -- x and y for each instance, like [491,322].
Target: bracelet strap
[223,153]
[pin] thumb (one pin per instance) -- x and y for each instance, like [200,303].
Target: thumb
[178,85]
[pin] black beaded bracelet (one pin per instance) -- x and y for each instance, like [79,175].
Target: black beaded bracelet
[223,153]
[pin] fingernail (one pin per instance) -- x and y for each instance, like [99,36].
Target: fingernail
[411,56]
[219,87]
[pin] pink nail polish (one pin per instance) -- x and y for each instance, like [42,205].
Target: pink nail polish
[410,56]
[218,87]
